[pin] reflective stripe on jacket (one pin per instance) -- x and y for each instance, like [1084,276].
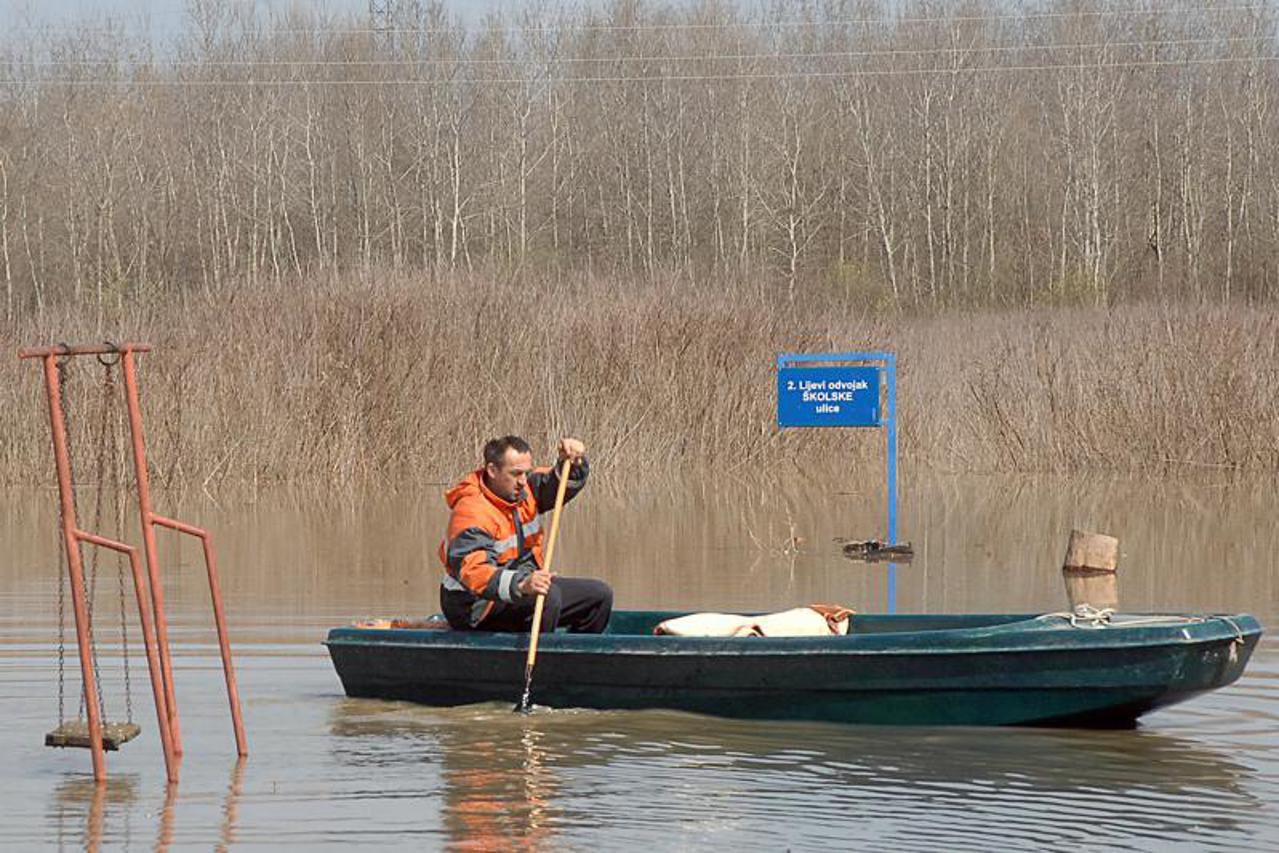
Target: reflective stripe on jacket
[493,544]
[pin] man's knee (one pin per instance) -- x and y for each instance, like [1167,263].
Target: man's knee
[595,592]
[554,598]
[605,594]
[602,607]
[598,601]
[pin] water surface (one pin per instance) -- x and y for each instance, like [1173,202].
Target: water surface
[325,769]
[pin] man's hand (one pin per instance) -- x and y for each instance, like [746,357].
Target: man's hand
[537,583]
[571,448]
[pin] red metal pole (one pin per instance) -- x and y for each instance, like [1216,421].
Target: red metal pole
[148,542]
[224,646]
[81,349]
[219,618]
[74,566]
[148,638]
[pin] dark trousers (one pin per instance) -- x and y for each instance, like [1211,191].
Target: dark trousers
[581,605]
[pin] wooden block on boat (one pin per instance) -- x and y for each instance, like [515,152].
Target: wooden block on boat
[1089,570]
[75,733]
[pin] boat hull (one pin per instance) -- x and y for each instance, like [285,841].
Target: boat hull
[898,670]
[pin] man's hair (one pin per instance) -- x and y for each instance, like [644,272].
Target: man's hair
[495,449]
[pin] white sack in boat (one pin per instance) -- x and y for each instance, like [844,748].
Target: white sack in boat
[815,620]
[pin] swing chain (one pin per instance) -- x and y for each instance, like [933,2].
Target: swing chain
[116,479]
[63,375]
[108,393]
[62,644]
[112,452]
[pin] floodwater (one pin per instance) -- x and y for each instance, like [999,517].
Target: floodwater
[327,770]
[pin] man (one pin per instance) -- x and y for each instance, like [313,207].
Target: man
[493,563]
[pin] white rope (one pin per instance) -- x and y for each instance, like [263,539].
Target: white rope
[1087,616]
[1090,615]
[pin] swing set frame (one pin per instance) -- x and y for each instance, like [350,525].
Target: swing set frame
[147,585]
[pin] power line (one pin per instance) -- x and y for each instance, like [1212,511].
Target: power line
[321,29]
[661,78]
[657,58]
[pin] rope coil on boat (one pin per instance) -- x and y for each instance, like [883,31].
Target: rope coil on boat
[1087,616]
[1094,617]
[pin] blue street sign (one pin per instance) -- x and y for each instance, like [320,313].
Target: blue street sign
[828,397]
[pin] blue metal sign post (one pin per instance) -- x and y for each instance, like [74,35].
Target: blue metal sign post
[843,389]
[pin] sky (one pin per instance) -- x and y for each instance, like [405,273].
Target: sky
[166,17]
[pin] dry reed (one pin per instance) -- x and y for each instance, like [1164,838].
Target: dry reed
[390,378]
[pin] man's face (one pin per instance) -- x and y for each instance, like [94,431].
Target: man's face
[509,478]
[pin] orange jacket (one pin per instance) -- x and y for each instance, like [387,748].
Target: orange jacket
[486,556]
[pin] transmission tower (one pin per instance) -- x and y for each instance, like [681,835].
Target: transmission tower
[381,15]
[381,23]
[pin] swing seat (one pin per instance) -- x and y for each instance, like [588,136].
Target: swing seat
[76,733]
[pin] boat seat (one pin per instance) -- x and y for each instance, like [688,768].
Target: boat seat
[76,733]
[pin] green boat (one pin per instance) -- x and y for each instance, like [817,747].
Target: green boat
[889,669]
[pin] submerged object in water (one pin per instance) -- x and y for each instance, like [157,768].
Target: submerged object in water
[1007,669]
[872,550]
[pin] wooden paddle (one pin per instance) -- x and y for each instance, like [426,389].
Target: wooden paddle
[524,705]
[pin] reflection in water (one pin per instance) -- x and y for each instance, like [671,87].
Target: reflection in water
[81,805]
[982,544]
[164,835]
[539,782]
[106,811]
[230,811]
[231,805]
[525,780]
[498,788]
[496,796]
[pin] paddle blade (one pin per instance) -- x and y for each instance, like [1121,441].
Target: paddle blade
[525,705]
